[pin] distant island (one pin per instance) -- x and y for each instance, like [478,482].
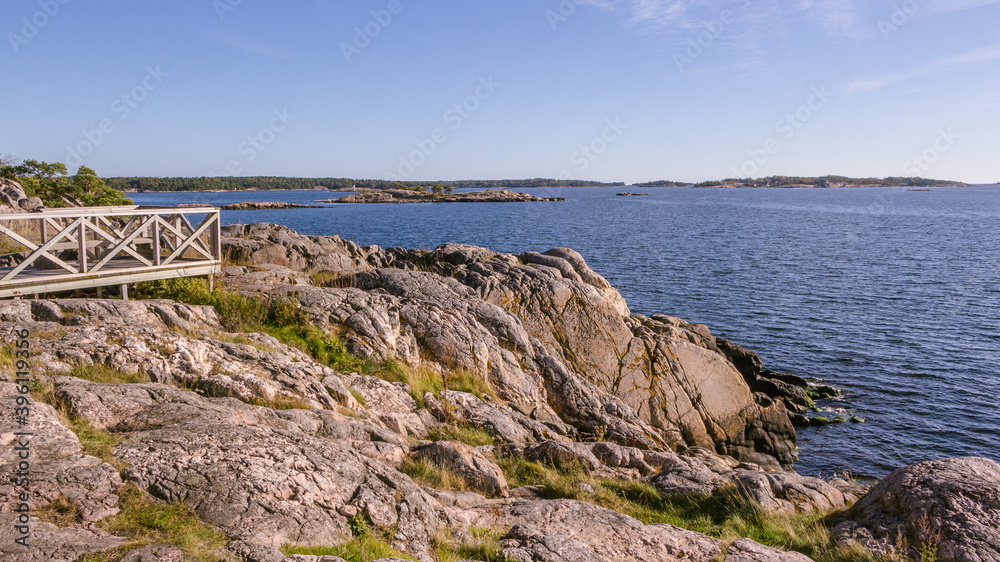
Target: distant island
[416,196]
[663,183]
[828,182]
[262,183]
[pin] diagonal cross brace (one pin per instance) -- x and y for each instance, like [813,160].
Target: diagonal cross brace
[40,251]
[190,241]
[124,244]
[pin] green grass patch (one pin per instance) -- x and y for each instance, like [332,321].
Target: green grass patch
[366,545]
[145,521]
[465,433]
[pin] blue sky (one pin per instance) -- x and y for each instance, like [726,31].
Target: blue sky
[611,90]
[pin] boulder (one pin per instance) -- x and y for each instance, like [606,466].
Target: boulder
[551,336]
[11,195]
[951,506]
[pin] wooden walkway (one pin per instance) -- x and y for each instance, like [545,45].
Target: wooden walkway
[85,247]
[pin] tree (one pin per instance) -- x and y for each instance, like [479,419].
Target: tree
[91,190]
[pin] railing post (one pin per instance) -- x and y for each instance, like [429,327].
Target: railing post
[156,241]
[178,239]
[82,240]
[44,227]
[217,237]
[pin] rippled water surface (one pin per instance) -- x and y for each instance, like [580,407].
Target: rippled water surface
[891,295]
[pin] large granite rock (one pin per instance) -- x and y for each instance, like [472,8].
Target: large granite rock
[951,504]
[554,339]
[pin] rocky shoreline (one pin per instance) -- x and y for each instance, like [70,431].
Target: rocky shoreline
[408,196]
[272,448]
[265,206]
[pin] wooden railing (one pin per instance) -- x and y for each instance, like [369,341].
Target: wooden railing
[83,247]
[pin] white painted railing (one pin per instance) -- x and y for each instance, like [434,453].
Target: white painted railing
[81,247]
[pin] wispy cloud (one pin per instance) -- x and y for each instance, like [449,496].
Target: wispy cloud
[941,7]
[755,16]
[248,44]
[985,55]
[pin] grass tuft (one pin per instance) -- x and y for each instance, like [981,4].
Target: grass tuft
[363,547]
[60,512]
[427,473]
[423,379]
[482,544]
[145,521]
[102,374]
[463,432]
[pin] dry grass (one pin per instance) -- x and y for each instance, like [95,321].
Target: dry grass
[462,432]
[427,473]
[423,379]
[60,512]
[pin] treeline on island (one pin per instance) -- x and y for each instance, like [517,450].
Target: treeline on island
[829,181]
[663,183]
[141,184]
